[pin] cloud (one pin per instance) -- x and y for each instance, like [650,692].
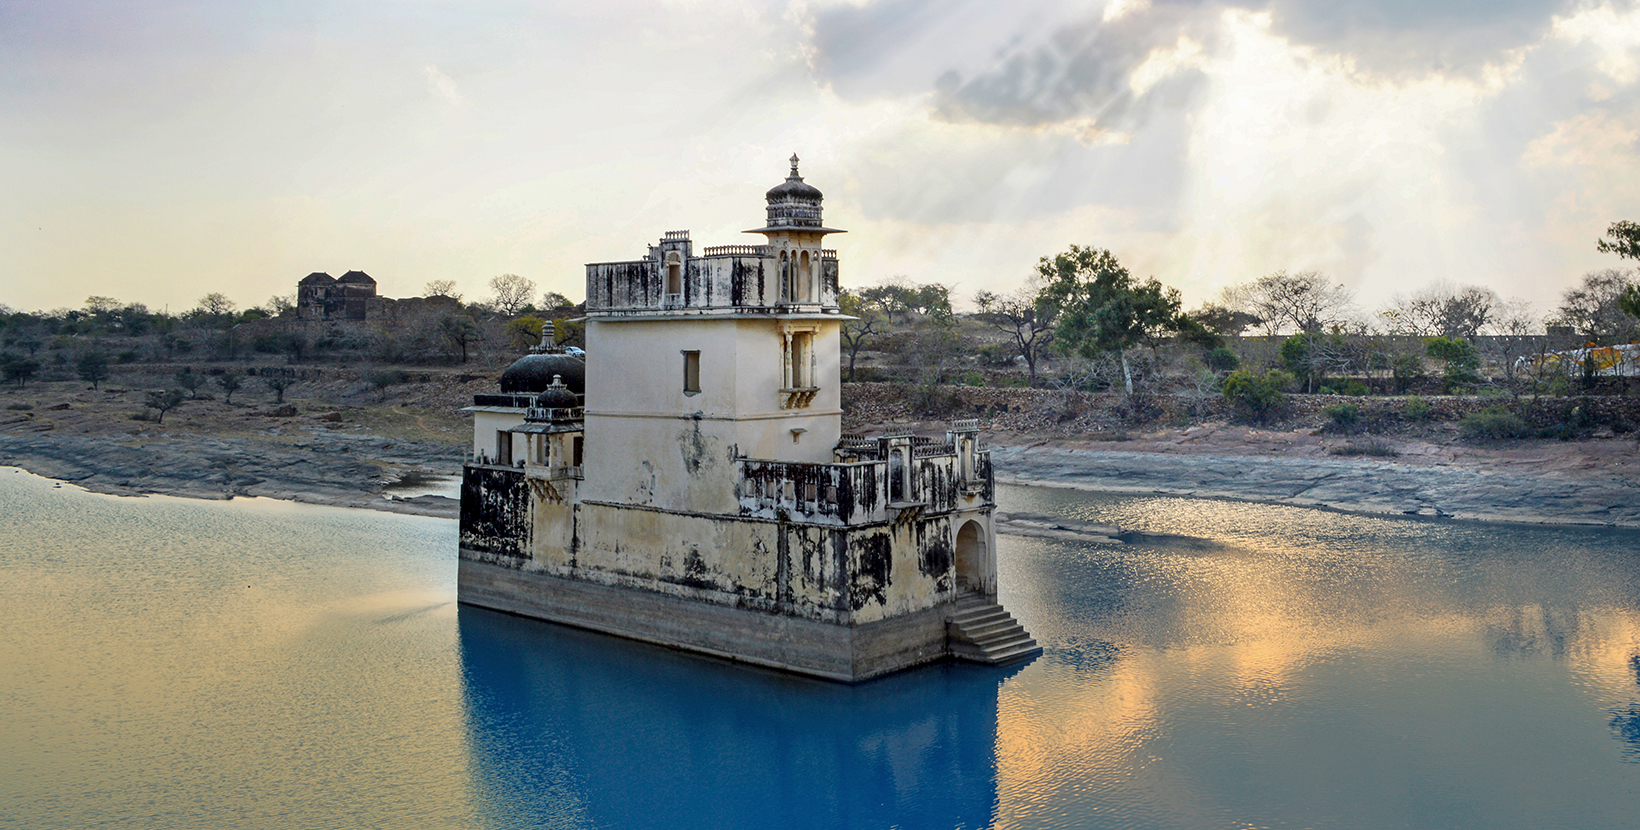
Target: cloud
[441,85]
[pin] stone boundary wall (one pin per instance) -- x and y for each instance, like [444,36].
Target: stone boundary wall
[1073,413]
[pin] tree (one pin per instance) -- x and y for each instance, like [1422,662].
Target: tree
[1442,311]
[864,328]
[279,304]
[230,384]
[1027,316]
[1461,357]
[1102,308]
[1259,396]
[190,381]
[461,332]
[92,367]
[442,288]
[512,293]
[554,300]
[1223,320]
[1301,302]
[385,378]
[525,332]
[279,383]
[165,401]
[19,369]
[96,304]
[216,304]
[1625,240]
[1594,308]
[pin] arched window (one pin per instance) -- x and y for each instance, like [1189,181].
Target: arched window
[805,279]
[785,278]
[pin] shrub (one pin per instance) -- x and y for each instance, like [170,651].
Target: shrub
[1260,396]
[1372,446]
[1222,359]
[1405,368]
[1343,416]
[1356,388]
[1492,423]
[1416,409]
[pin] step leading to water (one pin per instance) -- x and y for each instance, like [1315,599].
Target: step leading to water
[981,631]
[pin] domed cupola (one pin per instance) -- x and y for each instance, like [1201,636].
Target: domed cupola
[536,371]
[556,396]
[794,203]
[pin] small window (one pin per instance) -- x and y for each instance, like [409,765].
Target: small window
[691,373]
[674,272]
[503,448]
[578,445]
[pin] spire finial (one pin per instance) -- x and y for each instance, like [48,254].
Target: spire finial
[794,167]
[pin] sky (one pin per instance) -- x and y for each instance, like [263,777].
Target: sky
[156,151]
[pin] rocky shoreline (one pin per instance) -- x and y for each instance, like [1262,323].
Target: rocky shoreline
[1358,485]
[352,470]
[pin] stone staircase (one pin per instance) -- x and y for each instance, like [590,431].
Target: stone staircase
[981,631]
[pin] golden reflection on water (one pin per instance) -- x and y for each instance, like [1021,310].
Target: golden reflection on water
[1368,649]
[156,684]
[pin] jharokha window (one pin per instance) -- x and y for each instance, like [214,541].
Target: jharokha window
[797,370]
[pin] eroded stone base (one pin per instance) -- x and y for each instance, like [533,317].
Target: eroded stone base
[843,653]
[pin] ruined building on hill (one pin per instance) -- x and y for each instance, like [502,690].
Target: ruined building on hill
[689,484]
[319,296]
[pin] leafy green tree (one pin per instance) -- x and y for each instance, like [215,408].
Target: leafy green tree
[92,367]
[1625,240]
[1462,359]
[1102,308]
[525,332]
[19,369]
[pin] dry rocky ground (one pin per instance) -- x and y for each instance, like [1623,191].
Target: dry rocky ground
[338,440]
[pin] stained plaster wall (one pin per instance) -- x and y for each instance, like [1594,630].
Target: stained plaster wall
[834,574]
[711,282]
[485,426]
[650,443]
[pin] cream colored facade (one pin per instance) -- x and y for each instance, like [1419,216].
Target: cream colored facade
[705,465]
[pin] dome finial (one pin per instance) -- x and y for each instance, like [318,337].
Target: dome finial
[794,168]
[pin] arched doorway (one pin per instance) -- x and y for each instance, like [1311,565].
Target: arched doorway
[971,557]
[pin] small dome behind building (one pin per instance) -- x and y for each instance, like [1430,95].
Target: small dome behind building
[534,373]
[556,396]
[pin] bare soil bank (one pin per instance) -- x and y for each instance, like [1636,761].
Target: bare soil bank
[340,441]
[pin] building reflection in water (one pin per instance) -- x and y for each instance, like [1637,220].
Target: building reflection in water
[575,729]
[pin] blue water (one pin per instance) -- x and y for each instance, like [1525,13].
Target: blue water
[167,663]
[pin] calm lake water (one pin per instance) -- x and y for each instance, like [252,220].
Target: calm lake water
[167,663]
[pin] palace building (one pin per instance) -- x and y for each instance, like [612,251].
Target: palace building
[689,483]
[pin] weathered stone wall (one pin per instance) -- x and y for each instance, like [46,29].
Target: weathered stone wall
[1071,413]
[495,510]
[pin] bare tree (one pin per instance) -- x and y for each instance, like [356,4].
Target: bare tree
[216,303]
[1301,302]
[864,328]
[1514,327]
[230,383]
[1027,315]
[279,304]
[165,401]
[442,288]
[1594,308]
[512,293]
[279,383]
[1442,310]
